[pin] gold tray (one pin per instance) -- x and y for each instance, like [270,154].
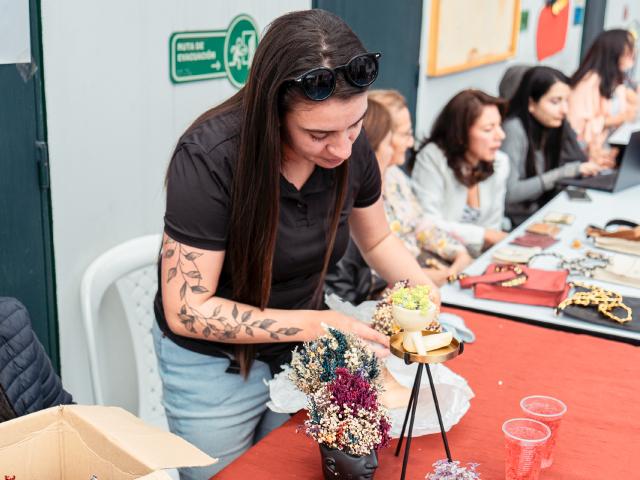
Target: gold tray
[440,355]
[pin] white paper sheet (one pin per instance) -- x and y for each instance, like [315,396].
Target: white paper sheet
[15,42]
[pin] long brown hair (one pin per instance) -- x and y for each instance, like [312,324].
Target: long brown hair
[450,133]
[603,58]
[293,44]
[377,122]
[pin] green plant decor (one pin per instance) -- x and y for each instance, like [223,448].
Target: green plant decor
[413,298]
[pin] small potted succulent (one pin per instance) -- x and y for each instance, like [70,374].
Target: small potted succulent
[413,311]
[340,376]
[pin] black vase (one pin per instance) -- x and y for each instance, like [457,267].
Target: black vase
[337,464]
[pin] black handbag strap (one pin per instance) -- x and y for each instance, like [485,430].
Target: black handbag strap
[624,223]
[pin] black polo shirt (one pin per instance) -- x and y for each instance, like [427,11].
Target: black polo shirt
[198,208]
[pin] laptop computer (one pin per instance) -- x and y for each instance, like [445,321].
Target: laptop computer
[626,175]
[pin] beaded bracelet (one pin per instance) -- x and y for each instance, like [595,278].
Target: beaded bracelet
[583,266]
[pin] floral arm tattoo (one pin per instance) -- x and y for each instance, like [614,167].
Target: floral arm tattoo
[216,325]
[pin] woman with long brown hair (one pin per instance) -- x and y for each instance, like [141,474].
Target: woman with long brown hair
[262,194]
[598,88]
[459,174]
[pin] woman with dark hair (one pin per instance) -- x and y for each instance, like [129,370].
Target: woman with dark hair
[536,135]
[440,253]
[352,279]
[262,194]
[599,81]
[460,175]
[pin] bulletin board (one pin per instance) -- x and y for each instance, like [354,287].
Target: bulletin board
[466,34]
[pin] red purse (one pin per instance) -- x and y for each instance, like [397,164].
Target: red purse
[519,284]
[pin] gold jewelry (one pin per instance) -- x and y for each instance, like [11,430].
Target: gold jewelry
[454,278]
[514,282]
[605,301]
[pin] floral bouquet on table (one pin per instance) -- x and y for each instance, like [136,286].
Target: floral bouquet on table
[339,374]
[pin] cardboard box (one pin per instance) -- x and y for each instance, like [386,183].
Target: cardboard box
[76,442]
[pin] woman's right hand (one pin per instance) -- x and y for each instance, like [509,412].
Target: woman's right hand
[491,237]
[347,324]
[589,169]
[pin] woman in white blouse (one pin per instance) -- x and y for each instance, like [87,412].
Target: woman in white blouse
[459,175]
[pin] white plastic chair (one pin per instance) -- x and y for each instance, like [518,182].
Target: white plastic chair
[131,266]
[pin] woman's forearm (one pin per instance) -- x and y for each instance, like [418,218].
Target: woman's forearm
[221,320]
[462,261]
[390,259]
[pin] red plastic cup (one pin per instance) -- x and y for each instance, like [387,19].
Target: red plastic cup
[524,443]
[549,411]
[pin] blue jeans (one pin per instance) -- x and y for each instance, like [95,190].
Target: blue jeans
[220,413]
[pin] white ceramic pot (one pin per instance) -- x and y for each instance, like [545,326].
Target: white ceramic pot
[413,322]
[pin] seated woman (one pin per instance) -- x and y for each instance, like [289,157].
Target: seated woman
[597,86]
[352,279]
[435,248]
[536,136]
[460,175]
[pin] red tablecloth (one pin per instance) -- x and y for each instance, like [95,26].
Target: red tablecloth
[598,379]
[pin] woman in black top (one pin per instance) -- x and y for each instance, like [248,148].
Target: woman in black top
[262,193]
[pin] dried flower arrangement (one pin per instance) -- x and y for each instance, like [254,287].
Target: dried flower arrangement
[340,376]
[446,470]
[383,316]
[345,414]
[316,363]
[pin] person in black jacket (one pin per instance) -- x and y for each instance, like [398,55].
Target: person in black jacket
[28,382]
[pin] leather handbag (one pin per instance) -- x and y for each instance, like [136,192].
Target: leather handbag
[623,240]
[621,269]
[534,240]
[514,254]
[544,229]
[519,284]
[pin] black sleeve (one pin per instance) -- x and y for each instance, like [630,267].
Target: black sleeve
[198,198]
[350,278]
[370,183]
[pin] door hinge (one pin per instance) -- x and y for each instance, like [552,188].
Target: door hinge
[42,150]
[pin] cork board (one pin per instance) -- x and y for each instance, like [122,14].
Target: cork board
[465,34]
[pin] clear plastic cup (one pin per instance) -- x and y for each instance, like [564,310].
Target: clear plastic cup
[524,442]
[549,411]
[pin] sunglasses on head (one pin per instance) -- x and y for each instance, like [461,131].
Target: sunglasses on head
[319,83]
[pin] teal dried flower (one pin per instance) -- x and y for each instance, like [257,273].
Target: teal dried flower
[316,362]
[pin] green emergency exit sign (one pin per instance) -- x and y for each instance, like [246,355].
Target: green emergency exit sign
[204,55]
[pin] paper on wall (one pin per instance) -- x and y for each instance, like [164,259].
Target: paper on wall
[15,41]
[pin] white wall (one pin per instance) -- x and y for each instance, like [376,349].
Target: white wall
[435,92]
[113,118]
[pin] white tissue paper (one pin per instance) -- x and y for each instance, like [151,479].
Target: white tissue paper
[454,394]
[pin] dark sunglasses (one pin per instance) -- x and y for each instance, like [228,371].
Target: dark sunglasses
[319,83]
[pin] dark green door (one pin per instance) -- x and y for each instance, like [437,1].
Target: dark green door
[393,28]
[26,254]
